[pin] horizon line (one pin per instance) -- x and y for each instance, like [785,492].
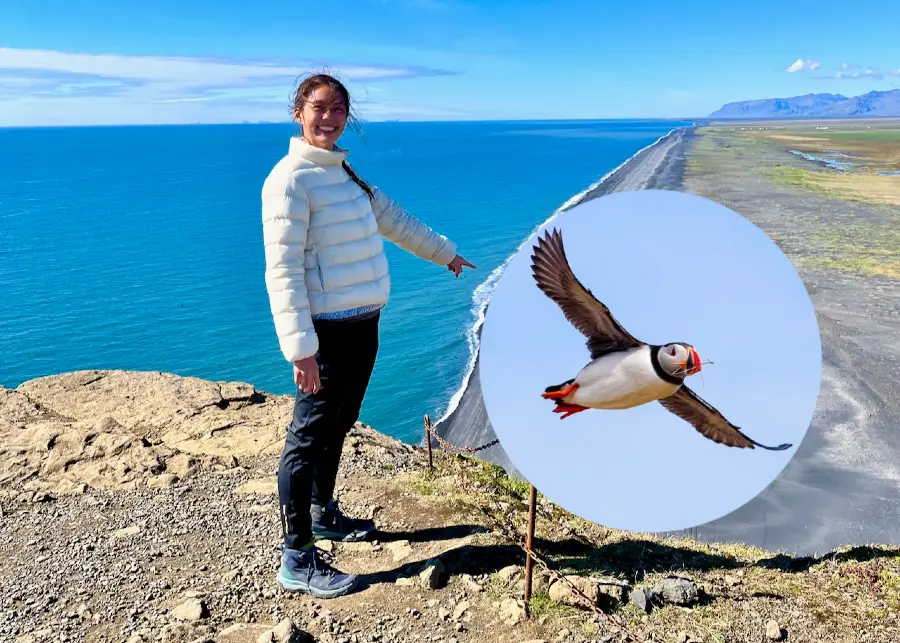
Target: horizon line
[366,121]
[693,120]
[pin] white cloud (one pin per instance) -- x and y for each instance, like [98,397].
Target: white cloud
[803,65]
[853,73]
[849,71]
[54,87]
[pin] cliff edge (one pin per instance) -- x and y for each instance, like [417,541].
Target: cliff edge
[139,506]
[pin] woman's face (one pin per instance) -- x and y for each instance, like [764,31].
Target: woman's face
[323,117]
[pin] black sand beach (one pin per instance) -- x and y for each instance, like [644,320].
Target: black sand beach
[843,485]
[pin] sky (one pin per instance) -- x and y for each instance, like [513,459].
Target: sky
[671,267]
[90,62]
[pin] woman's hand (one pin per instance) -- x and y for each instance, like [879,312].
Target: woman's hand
[456,266]
[306,375]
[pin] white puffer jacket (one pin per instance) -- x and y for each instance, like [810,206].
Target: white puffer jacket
[323,244]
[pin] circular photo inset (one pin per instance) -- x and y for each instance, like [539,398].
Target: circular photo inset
[650,360]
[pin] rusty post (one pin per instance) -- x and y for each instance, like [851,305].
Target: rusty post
[529,542]
[428,438]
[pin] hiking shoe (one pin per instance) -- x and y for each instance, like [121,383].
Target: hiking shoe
[329,523]
[303,570]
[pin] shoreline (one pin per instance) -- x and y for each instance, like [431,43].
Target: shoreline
[464,423]
[841,487]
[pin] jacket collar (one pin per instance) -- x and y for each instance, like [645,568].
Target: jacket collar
[301,148]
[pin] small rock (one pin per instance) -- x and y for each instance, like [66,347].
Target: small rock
[405,581]
[508,573]
[134,530]
[460,610]
[443,613]
[683,638]
[325,545]
[286,632]
[512,611]
[733,581]
[431,576]
[362,547]
[162,481]
[192,610]
[401,549]
[677,591]
[604,593]
[643,599]
[774,631]
[563,635]
[471,584]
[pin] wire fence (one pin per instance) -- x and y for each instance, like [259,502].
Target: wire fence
[509,532]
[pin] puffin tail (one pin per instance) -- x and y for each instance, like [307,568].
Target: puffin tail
[557,393]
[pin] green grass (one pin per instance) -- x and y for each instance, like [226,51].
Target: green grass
[542,604]
[799,178]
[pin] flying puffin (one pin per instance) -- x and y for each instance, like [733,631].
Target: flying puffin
[624,372]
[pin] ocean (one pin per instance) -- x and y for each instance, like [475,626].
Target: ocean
[140,248]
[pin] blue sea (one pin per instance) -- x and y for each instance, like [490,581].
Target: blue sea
[140,248]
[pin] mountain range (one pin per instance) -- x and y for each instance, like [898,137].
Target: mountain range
[886,103]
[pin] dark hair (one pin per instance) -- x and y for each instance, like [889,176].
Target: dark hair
[301,96]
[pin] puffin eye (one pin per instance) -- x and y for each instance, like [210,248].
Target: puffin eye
[672,351]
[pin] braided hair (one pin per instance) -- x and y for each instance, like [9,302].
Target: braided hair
[355,177]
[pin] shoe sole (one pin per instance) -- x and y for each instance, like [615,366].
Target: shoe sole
[303,588]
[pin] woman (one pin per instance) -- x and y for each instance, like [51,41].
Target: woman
[327,279]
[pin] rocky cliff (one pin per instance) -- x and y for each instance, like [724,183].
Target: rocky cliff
[142,507]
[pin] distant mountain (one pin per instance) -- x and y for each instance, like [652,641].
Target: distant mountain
[815,106]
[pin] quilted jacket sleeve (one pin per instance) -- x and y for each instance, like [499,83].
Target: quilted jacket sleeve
[400,227]
[285,213]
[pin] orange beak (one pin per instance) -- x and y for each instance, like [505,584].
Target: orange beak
[692,365]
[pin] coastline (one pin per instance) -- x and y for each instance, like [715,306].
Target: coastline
[841,487]
[659,166]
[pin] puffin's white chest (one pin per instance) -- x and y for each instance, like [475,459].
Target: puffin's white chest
[620,381]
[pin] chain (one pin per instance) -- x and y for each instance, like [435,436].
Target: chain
[449,447]
[507,532]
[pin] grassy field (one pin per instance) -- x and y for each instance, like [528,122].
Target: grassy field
[838,240]
[860,159]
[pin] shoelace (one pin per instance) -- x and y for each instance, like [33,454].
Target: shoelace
[336,515]
[320,560]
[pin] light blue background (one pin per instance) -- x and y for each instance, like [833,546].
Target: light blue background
[671,267]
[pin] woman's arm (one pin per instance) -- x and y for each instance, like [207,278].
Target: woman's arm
[403,229]
[285,212]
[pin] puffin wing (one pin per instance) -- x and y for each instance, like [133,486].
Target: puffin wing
[709,422]
[591,317]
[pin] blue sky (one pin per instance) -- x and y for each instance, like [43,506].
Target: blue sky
[92,62]
[671,267]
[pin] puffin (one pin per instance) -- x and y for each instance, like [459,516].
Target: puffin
[624,372]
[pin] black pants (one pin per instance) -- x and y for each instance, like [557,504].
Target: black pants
[315,438]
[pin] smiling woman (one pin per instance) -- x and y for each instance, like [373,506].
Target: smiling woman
[327,279]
